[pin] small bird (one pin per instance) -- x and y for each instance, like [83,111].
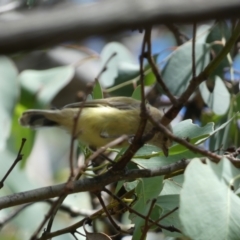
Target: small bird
[100,121]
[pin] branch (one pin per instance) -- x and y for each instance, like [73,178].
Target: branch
[89,184]
[137,142]
[194,83]
[156,71]
[18,158]
[212,156]
[49,27]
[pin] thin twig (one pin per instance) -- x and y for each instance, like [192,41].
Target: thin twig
[139,214]
[81,223]
[146,226]
[74,136]
[164,216]
[53,210]
[99,151]
[14,214]
[98,194]
[143,120]
[18,158]
[156,72]
[71,211]
[193,51]
[75,120]
[213,156]
[177,34]
[89,184]
[194,83]
[137,142]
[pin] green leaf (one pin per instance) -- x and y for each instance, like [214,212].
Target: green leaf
[195,134]
[178,70]
[220,136]
[18,132]
[97,91]
[147,189]
[152,157]
[156,159]
[46,84]
[149,78]
[131,185]
[219,99]
[203,32]
[137,94]
[121,70]
[236,102]
[127,77]
[122,60]
[167,203]
[220,32]
[9,92]
[208,202]
[172,186]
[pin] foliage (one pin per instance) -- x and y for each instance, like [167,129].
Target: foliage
[200,202]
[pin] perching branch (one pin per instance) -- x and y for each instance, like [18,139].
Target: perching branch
[88,184]
[38,29]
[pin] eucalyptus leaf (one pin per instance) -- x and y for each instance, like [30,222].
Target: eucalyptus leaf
[9,92]
[122,60]
[220,136]
[97,91]
[192,132]
[207,199]
[219,99]
[168,203]
[46,84]
[203,32]
[178,70]
[221,32]
[137,94]
[152,157]
[146,190]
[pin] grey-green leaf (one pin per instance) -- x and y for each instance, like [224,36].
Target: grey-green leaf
[9,92]
[123,55]
[178,70]
[219,99]
[46,83]
[207,199]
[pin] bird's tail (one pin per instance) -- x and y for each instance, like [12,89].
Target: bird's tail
[39,118]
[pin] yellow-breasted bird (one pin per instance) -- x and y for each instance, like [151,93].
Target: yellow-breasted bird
[100,121]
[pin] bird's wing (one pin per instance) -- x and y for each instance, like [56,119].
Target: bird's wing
[123,103]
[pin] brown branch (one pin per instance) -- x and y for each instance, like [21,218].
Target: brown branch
[48,27]
[213,156]
[98,194]
[156,72]
[18,158]
[12,215]
[131,210]
[91,184]
[194,83]
[68,185]
[177,34]
[81,223]
[137,142]
[165,215]
[146,226]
